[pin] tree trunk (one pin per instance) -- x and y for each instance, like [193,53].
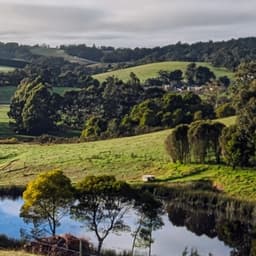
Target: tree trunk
[150,242]
[135,237]
[99,247]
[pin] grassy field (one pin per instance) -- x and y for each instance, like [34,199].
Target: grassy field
[127,158]
[6,69]
[58,53]
[6,92]
[151,70]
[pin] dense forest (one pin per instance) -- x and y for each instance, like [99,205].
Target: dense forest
[227,54]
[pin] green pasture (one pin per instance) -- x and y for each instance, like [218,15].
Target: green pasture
[151,70]
[127,158]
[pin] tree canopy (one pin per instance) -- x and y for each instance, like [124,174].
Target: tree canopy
[47,199]
[102,203]
[33,108]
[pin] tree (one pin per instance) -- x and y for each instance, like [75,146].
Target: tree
[203,75]
[94,127]
[102,204]
[148,210]
[237,149]
[225,110]
[47,199]
[215,131]
[134,80]
[203,139]
[224,81]
[190,73]
[177,144]
[33,108]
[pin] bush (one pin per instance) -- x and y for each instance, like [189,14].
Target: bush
[225,110]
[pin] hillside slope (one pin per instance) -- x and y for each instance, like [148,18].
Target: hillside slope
[126,158]
[58,53]
[151,70]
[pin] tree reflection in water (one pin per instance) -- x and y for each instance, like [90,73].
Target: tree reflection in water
[234,229]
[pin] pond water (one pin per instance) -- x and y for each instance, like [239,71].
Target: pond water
[183,227]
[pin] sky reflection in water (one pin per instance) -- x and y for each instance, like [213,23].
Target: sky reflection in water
[169,240]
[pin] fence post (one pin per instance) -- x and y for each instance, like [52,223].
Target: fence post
[80,247]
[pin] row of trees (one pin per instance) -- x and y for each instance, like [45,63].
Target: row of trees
[198,142]
[99,202]
[227,54]
[55,71]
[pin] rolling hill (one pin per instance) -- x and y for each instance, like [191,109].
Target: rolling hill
[151,70]
[127,158]
[58,53]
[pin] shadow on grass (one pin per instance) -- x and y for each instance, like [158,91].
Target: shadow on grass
[194,172]
[6,131]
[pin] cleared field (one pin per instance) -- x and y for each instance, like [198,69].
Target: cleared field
[127,158]
[6,69]
[6,92]
[58,53]
[151,70]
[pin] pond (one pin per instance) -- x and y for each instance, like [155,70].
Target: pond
[183,227]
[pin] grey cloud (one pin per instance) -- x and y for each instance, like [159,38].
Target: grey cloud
[125,23]
[52,18]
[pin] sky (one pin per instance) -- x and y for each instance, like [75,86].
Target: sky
[125,23]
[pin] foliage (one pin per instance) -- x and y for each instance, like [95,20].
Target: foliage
[239,142]
[222,54]
[33,108]
[166,111]
[102,203]
[149,211]
[47,199]
[203,139]
[225,110]
[177,144]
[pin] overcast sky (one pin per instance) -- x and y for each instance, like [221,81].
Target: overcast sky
[125,23]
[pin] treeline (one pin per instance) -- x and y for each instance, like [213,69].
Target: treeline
[227,54]
[110,109]
[13,63]
[204,141]
[54,71]
[14,50]
[149,115]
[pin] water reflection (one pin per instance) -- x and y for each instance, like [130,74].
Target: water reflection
[179,227]
[233,229]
